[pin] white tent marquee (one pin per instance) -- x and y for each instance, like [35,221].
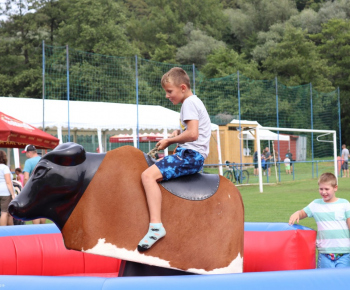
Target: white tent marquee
[99,116]
[264,134]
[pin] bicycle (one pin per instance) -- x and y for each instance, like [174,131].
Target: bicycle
[234,174]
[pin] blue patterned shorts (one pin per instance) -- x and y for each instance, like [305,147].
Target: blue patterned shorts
[182,162]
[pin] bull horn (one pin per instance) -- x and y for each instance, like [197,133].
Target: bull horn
[67,154]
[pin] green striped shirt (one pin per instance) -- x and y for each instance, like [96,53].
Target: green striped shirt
[333,235]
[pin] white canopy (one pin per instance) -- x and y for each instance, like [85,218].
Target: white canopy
[91,115]
[263,134]
[100,116]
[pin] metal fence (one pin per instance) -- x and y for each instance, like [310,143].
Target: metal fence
[70,74]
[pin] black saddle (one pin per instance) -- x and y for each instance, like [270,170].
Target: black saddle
[198,186]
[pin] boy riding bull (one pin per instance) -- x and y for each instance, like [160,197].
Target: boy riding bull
[193,147]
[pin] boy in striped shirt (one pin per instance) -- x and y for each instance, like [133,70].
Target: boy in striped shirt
[332,217]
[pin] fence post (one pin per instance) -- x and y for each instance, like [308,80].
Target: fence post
[312,133]
[340,143]
[278,133]
[67,59]
[194,78]
[137,103]
[239,121]
[43,94]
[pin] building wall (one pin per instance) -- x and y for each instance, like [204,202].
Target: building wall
[231,141]
[285,145]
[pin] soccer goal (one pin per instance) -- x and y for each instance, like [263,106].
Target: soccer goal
[325,140]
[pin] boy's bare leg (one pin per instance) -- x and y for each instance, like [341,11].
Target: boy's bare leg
[3,219]
[9,220]
[153,194]
[156,230]
[36,222]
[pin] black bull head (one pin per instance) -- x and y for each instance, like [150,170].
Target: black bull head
[56,184]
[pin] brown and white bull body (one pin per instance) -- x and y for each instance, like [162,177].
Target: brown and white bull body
[100,207]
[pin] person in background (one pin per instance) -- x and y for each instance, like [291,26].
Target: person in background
[268,159]
[20,176]
[345,159]
[332,215]
[256,165]
[6,189]
[263,162]
[246,151]
[290,156]
[287,165]
[29,165]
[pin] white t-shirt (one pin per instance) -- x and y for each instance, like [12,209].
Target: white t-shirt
[4,191]
[287,161]
[194,109]
[345,154]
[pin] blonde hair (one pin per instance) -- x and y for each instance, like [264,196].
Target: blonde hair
[328,178]
[177,76]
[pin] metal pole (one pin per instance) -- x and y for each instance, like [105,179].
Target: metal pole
[257,136]
[340,143]
[43,85]
[194,78]
[239,123]
[335,154]
[137,103]
[278,134]
[312,134]
[67,58]
[299,130]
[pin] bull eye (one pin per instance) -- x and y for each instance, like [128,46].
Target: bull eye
[40,172]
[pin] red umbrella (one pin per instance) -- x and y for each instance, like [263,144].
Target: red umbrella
[121,138]
[17,134]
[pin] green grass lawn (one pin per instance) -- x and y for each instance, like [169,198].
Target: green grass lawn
[302,171]
[47,221]
[278,202]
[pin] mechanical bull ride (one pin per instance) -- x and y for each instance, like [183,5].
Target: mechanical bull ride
[99,204]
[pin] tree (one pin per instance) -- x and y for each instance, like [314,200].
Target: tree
[20,71]
[307,19]
[334,9]
[224,62]
[267,41]
[96,26]
[230,4]
[296,61]
[334,44]
[304,4]
[312,19]
[198,47]
[164,52]
[254,16]
[169,18]
[49,15]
